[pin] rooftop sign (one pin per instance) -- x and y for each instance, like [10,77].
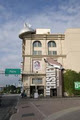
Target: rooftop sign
[13,71]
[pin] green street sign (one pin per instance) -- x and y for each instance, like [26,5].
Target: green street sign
[13,71]
[77,85]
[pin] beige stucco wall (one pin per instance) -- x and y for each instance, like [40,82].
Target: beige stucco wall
[72,49]
[42,31]
[29,57]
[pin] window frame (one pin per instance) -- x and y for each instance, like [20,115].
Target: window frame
[37,44]
[52,44]
[37,80]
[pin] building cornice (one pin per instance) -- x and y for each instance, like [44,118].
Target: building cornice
[44,37]
[41,56]
[32,73]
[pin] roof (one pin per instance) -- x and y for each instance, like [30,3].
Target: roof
[26,30]
[53,63]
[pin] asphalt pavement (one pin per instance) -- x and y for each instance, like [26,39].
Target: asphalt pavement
[47,109]
[74,115]
[7,107]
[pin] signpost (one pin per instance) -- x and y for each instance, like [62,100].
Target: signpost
[77,85]
[13,71]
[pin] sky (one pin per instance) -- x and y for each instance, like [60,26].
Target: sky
[58,15]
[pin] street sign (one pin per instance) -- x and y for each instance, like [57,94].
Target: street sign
[77,85]
[12,71]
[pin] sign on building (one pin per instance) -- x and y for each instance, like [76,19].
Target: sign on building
[13,71]
[52,80]
[36,65]
[77,85]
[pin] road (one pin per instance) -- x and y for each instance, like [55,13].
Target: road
[41,109]
[7,107]
[48,109]
[74,115]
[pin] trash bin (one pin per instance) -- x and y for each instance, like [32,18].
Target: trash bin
[35,95]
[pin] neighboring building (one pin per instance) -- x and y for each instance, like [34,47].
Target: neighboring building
[44,54]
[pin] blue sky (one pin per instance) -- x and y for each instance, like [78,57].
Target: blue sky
[58,15]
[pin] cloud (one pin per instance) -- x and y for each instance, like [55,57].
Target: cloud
[10,45]
[1,8]
[57,18]
[9,80]
[4,14]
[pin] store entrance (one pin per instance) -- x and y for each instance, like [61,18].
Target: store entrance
[32,91]
[53,92]
[40,90]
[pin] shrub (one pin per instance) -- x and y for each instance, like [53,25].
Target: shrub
[70,77]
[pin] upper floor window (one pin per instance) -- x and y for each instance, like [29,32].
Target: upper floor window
[51,44]
[37,48]
[52,52]
[37,44]
[37,52]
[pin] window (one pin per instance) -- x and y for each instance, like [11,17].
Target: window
[51,44]
[34,52]
[51,48]
[37,81]
[37,52]
[52,52]
[37,48]
[37,44]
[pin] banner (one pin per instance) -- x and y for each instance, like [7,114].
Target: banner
[36,65]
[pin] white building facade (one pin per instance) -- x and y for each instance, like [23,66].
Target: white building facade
[59,50]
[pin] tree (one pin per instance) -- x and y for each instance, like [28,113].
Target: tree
[70,77]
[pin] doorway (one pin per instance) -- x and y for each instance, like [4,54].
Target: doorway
[53,92]
[40,91]
[32,91]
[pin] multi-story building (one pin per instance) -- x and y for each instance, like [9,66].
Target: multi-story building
[44,55]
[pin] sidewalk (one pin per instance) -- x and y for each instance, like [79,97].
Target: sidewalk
[44,109]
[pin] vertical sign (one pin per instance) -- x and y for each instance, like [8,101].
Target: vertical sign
[50,79]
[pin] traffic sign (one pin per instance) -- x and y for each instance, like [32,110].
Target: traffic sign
[12,71]
[77,85]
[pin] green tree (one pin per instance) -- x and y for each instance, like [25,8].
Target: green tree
[70,77]
[9,89]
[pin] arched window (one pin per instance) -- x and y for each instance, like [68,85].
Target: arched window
[51,44]
[37,48]
[37,44]
[52,48]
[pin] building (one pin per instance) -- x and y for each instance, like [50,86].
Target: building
[44,56]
